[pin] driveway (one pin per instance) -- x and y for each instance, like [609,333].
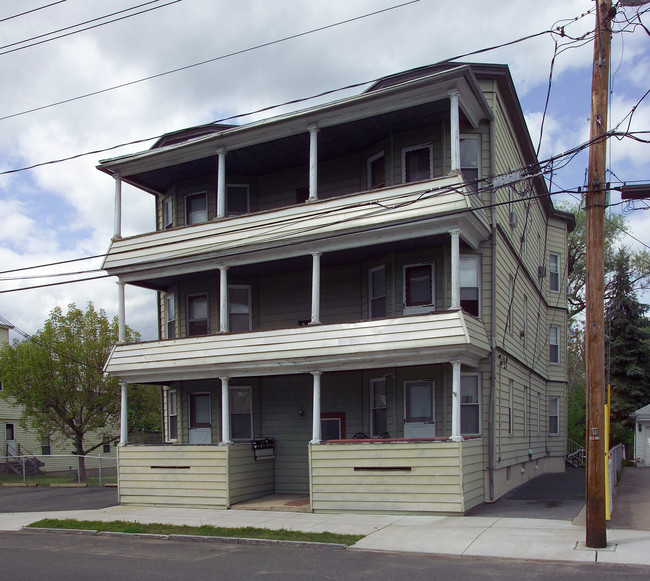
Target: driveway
[48,498]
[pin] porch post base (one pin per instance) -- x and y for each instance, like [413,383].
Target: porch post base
[457,438]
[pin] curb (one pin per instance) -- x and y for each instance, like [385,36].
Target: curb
[18,485]
[192,538]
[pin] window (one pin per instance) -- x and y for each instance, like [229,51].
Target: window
[237,200]
[511,388]
[554,416]
[241,413]
[377,292]
[417,163]
[167,213]
[376,171]
[239,308]
[378,420]
[332,426]
[470,406]
[554,344]
[106,445]
[172,415]
[418,288]
[196,208]
[46,446]
[470,149]
[170,316]
[554,272]
[197,315]
[469,284]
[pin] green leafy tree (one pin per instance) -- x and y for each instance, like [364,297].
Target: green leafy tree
[629,349]
[57,377]
[576,389]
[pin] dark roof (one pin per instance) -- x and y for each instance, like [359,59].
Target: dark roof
[189,133]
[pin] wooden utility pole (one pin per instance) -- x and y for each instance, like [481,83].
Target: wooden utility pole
[596,532]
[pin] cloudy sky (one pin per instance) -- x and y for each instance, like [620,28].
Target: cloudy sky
[63,211]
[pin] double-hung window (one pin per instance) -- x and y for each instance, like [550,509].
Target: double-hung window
[196,208]
[470,149]
[197,315]
[167,213]
[378,420]
[239,308]
[554,272]
[469,284]
[419,288]
[241,413]
[470,404]
[170,316]
[377,292]
[237,200]
[554,344]
[554,416]
[417,163]
[172,416]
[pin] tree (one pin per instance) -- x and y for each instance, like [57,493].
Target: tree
[615,227]
[629,349]
[57,377]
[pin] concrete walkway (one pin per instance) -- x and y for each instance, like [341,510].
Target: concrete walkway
[485,536]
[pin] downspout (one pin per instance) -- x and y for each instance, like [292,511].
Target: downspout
[493,334]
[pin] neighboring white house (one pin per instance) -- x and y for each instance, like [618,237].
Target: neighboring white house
[363,301]
[642,435]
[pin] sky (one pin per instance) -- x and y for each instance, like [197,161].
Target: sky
[260,54]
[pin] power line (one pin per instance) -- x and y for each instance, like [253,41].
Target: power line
[201,63]
[87,28]
[32,10]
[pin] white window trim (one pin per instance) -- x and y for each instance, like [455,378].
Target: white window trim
[550,335]
[410,310]
[167,212]
[187,215]
[474,137]
[187,311]
[479,404]
[250,390]
[248,199]
[551,272]
[169,414]
[248,288]
[369,170]
[170,298]
[371,296]
[406,150]
[373,382]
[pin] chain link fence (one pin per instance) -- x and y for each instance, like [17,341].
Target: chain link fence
[58,469]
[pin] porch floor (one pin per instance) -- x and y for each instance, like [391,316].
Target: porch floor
[277,502]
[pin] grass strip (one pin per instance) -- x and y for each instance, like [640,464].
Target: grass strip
[204,531]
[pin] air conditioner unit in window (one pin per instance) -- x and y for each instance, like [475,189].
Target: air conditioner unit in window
[541,271]
[512,219]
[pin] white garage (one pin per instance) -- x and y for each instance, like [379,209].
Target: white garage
[642,435]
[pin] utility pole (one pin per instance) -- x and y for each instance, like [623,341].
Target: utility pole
[596,533]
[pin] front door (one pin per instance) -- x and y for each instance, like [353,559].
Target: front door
[200,431]
[10,439]
[419,409]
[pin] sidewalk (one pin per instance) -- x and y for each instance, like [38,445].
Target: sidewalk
[485,536]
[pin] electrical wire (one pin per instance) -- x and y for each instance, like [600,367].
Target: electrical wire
[32,10]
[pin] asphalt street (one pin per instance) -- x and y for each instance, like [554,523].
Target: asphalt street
[45,498]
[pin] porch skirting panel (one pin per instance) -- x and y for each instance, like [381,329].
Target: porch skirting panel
[420,477]
[191,476]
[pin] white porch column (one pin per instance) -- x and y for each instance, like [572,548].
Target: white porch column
[117,215]
[121,312]
[455,269]
[223,299]
[315,289]
[124,422]
[313,163]
[455,131]
[316,431]
[221,184]
[225,411]
[455,403]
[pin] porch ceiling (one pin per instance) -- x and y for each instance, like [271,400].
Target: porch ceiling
[414,340]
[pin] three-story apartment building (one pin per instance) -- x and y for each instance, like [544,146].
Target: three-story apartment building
[363,301]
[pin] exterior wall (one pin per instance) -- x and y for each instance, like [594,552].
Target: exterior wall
[394,478]
[248,478]
[510,477]
[190,476]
